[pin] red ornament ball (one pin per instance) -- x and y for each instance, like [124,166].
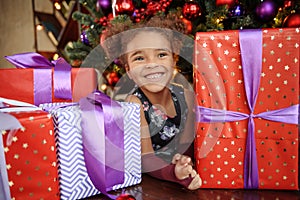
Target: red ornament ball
[288,3]
[225,2]
[124,7]
[293,20]
[153,7]
[125,197]
[191,10]
[145,1]
[112,78]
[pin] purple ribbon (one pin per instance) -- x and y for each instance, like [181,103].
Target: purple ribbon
[285,115]
[251,54]
[103,140]
[42,86]
[43,76]
[62,79]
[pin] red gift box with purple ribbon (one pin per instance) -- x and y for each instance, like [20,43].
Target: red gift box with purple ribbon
[37,80]
[247,87]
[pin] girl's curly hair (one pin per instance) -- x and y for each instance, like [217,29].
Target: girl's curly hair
[122,30]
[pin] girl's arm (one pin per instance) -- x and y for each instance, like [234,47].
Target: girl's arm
[154,165]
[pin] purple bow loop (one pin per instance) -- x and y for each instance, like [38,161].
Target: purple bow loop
[29,60]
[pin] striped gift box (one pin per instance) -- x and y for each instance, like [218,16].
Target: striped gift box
[73,177]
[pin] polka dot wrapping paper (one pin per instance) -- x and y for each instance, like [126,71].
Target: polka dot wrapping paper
[247,88]
[30,156]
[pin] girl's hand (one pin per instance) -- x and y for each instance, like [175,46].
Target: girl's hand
[196,182]
[184,169]
[183,166]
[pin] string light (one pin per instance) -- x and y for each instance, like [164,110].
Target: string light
[57,6]
[39,27]
[103,87]
[55,56]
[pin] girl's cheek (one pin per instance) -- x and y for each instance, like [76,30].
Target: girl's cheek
[132,73]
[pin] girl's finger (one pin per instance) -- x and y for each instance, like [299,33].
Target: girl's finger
[193,173]
[185,160]
[196,183]
[176,157]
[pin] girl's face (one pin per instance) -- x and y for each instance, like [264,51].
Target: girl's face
[150,61]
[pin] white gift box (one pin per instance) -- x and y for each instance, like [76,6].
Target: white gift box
[73,177]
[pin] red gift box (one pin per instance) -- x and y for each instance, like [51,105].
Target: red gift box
[18,84]
[247,86]
[36,80]
[30,156]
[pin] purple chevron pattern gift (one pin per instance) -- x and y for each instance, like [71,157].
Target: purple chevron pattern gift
[73,176]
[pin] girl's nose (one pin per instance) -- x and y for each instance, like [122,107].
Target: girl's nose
[151,60]
[151,65]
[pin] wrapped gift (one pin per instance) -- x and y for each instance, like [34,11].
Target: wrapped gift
[247,86]
[37,80]
[28,154]
[78,179]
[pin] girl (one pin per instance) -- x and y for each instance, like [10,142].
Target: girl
[149,52]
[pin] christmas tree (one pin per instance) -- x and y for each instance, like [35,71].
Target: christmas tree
[198,15]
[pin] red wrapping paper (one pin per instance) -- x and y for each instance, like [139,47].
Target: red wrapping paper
[219,84]
[18,84]
[31,158]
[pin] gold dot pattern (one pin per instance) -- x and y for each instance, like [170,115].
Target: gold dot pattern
[30,158]
[220,152]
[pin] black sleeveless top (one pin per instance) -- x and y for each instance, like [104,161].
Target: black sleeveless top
[165,131]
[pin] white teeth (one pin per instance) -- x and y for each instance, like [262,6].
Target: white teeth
[154,76]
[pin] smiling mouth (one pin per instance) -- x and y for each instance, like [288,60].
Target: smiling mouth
[154,75]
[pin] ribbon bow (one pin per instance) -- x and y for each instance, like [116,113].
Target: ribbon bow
[43,76]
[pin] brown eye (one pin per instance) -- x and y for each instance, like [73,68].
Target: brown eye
[138,58]
[161,55]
